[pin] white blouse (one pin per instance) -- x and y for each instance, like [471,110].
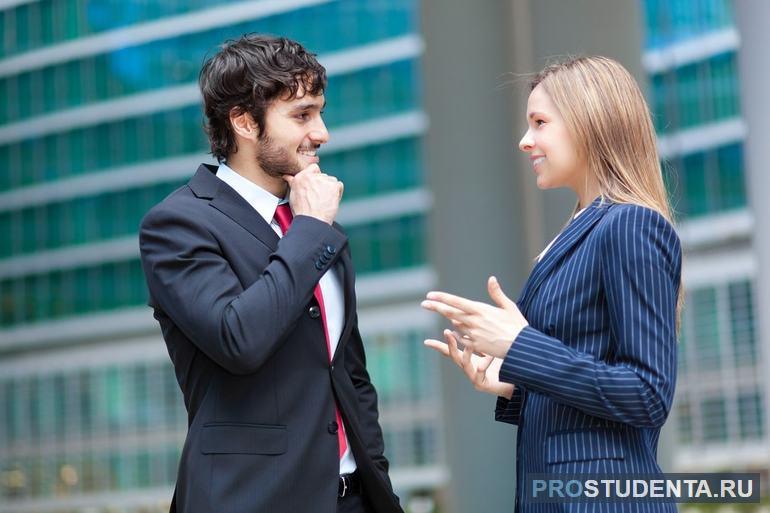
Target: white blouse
[541,255]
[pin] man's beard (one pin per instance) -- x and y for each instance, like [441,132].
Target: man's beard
[276,161]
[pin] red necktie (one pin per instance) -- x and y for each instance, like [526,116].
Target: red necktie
[284,217]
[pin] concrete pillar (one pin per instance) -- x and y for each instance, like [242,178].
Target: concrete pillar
[476,222]
[754,72]
[488,217]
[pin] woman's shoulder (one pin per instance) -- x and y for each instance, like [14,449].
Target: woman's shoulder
[637,224]
[635,215]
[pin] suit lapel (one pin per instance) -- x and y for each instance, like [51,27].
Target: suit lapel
[206,185]
[575,231]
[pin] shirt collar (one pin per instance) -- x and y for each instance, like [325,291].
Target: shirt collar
[261,200]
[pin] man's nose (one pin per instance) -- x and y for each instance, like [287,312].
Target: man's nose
[319,134]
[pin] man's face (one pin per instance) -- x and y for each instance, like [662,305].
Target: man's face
[293,133]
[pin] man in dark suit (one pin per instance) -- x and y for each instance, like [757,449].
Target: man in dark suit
[255,297]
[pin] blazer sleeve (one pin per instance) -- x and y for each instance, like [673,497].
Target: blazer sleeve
[509,410]
[640,268]
[190,279]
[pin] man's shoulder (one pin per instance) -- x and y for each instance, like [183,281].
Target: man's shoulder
[339,227]
[202,185]
[179,203]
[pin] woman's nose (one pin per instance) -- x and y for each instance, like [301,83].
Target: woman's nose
[526,143]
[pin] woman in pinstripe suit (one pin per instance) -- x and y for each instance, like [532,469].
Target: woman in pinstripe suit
[584,362]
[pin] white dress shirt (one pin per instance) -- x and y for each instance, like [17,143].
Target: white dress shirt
[265,204]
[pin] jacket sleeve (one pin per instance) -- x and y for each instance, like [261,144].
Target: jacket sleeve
[508,410]
[190,279]
[640,269]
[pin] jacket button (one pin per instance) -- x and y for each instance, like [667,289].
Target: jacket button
[324,259]
[332,427]
[330,249]
[319,265]
[314,312]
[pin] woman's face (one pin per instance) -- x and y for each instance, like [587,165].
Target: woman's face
[553,153]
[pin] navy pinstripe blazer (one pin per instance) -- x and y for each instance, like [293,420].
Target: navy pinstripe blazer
[595,370]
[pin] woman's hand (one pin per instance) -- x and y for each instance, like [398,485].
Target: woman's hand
[484,328]
[482,371]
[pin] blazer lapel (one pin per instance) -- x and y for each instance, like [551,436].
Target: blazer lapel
[575,231]
[206,185]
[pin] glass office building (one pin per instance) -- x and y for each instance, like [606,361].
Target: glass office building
[100,119]
[691,56]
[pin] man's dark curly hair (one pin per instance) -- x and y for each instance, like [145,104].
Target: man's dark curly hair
[247,74]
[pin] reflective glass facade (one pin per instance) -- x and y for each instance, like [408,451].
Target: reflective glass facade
[119,427]
[67,434]
[91,430]
[44,23]
[674,21]
[691,52]
[169,62]
[693,96]
[719,394]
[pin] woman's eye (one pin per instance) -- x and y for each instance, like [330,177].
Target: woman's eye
[539,122]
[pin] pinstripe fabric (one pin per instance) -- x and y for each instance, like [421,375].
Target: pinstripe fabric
[595,370]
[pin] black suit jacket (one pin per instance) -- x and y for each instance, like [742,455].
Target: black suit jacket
[233,301]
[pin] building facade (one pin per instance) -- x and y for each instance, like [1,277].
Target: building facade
[100,119]
[691,55]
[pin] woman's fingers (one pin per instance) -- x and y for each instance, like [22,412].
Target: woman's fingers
[498,296]
[485,363]
[457,302]
[454,351]
[437,345]
[474,365]
[447,311]
[468,366]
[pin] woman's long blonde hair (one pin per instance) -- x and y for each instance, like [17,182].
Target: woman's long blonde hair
[610,122]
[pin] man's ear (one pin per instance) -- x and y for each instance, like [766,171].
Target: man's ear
[243,124]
